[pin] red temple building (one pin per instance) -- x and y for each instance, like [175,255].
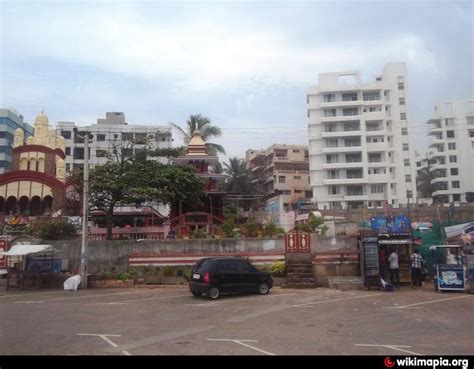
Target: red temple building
[209,216]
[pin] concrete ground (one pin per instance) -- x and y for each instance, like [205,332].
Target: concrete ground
[170,321]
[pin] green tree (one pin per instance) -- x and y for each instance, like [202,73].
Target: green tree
[314,223]
[271,229]
[62,230]
[423,182]
[238,177]
[207,130]
[138,179]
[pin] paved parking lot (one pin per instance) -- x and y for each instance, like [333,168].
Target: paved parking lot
[170,321]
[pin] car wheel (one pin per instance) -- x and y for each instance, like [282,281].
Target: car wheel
[214,293]
[197,294]
[263,288]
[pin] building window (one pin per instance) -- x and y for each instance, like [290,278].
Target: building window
[329,98]
[451,146]
[377,188]
[331,143]
[329,112]
[403,116]
[456,197]
[375,157]
[331,158]
[68,151]
[66,134]
[333,174]
[406,147]
[407,178]
[454,171]
[298,191]
[100,137]
[308,194]
[401,86]
[286,192]
[406,162]
[404,131]
[453,159]
[281,179]
[354,173]
[333,190]
[297,177]
[401,101]
[78,153]
[296,151]
[455,184]
[450,134]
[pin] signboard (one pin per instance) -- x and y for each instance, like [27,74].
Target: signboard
[461,234]
[450,277]
[398,224]
[297,242]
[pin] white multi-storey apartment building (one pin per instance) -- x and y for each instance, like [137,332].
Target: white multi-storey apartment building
[109,135]
[451,136]
[360,154]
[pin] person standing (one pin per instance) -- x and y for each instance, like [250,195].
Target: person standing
[416,267]
[394,269]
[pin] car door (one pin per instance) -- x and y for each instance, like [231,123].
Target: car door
[226,275]
[248,275]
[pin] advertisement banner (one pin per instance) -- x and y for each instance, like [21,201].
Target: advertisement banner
[398,224]
[461,234]
[450,277]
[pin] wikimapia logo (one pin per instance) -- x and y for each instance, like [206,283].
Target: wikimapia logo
[432,363]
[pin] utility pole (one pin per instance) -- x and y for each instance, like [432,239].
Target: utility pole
[85,210]
[408,199]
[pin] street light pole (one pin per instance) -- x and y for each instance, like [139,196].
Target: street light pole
[85,212]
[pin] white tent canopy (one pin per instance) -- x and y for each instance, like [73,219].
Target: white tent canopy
[21,250]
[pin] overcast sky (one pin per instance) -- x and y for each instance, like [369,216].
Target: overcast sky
[245,65]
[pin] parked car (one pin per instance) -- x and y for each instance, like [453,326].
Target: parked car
[213,276]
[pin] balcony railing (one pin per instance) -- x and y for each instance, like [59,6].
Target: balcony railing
[354,176]
[355,193]
[352,144]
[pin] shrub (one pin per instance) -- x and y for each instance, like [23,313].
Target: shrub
[228,228]
[272,229]
[187,274]
[278,269]
[251,228]
[168,271]
[197,233]
[126,276]
[62,230]
[179,273]
[313,224]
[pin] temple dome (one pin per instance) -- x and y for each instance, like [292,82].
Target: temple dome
[42,118]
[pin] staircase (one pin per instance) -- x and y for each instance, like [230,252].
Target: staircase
[299,273]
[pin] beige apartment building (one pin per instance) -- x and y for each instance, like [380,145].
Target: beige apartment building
[281,170]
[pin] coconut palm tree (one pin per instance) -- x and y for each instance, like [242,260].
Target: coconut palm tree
[238,176]
[197,121]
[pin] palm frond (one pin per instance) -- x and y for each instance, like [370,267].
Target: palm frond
[213,148]
[182,132]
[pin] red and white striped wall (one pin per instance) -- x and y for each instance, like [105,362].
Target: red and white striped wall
[146,259]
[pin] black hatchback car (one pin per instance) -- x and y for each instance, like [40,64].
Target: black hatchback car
[213,276]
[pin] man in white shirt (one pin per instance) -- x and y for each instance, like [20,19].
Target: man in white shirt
[394,269]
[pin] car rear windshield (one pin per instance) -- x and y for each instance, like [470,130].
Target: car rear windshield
[203,265]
